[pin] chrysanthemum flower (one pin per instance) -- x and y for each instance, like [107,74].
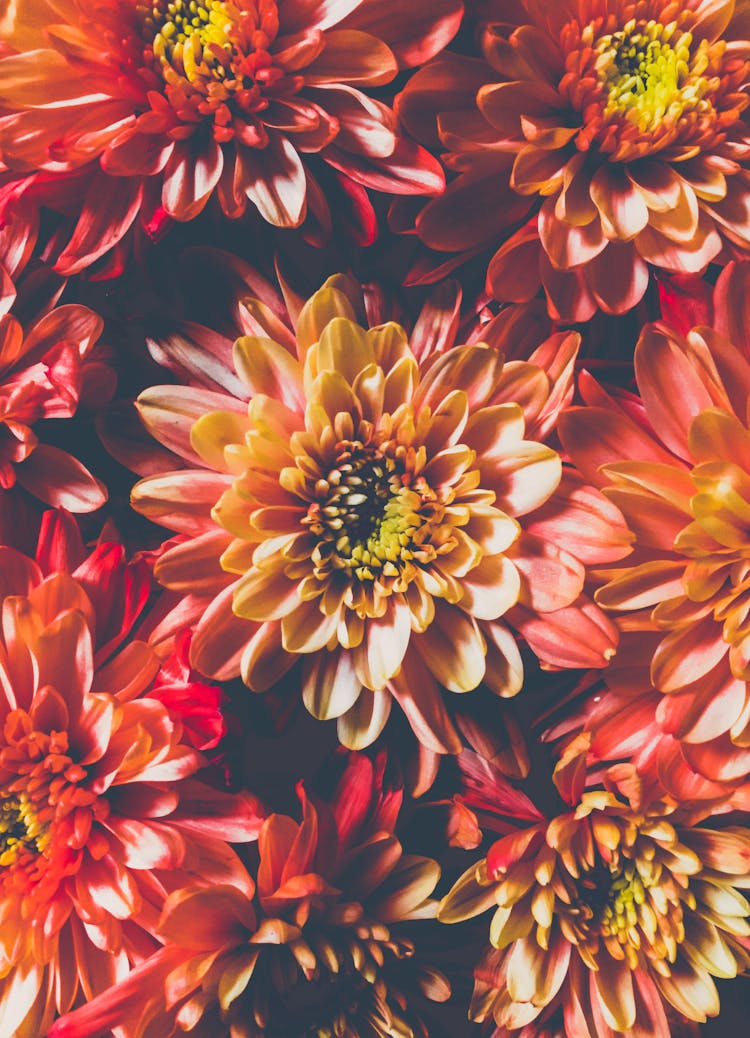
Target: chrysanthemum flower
[612,914]
[596,139]
[364,515]
[678,465]
[44,371]
[99,814]
[325,949]
[176,101]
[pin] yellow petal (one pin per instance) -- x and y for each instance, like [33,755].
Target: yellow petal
[215,431]
[319,311]
[268,368]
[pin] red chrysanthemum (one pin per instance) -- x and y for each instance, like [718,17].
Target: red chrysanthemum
[46,369]
[326,949]
[611,131]
[100,815]
[173,102]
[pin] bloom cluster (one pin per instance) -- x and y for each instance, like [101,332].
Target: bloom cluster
[374,518]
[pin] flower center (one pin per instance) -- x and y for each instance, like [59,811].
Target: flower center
[369,515]
[635,906]
[623,910]
[45,812]
[20,827]
[649,74]
[213,56]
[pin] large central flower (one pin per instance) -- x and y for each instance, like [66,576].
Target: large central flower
[364,508]
[619,128]
[379,516]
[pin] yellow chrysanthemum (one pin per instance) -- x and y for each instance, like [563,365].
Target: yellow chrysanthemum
[361,513]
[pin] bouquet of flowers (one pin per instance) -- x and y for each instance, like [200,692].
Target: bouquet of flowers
[374,518]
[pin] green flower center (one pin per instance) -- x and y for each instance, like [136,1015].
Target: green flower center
[627,896]
[645,911]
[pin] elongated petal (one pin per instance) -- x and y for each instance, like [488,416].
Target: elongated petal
[60,480]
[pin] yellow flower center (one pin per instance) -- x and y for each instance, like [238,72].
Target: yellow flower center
[369,517]
[20,828]
[219,47]
[650,74]
[186,35]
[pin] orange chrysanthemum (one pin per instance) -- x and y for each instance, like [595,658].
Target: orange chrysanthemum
[181,100]
[363,515]
[684,489]
[610,916]
[612,131]
[325,950]
[99,815]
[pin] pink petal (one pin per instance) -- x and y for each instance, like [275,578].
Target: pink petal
[688,654]
[110,207]
[190,177]
[60,480]
[408,170]
[276,182]
[220,639]
[181,500]
[415,32]
[673,389]
[579,635]
[315,14]
[420,698]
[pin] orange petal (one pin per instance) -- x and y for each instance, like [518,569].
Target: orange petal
[330,685]
[276,182]
[60,480]
[264,661]
[220,639]
[352,57]
[266,367]
[304,627]
[180,500]
[418,695]
[622,209]
[612,988]
[687,654]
